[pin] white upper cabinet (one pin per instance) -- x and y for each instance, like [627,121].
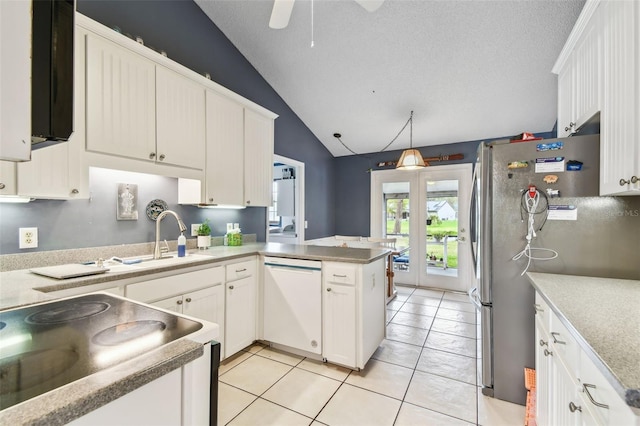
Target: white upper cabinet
[121,101]
[224,182]
[61,171]
[599,70]
[579,77]
[258,158]
[180,118]
[8,184]
[620,127]
[15,80]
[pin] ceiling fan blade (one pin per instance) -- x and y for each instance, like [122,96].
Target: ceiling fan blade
[280,14]
[370,5]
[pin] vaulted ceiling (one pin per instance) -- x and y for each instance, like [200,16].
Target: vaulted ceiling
[469,69]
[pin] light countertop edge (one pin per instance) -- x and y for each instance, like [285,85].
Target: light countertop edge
[73,400]
[582,304]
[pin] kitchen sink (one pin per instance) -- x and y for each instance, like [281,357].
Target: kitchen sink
[150,262]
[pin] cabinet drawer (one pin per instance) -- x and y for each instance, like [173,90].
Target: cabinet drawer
[237,271]
[543,312]
[161,288]
[564,345]
[340,274]
[597,391]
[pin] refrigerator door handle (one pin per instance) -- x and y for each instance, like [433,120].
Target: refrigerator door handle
[473,296]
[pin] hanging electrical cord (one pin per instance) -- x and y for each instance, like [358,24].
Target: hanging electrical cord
[530,203]
[338,136]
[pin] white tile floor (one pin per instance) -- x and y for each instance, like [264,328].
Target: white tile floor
[424,373]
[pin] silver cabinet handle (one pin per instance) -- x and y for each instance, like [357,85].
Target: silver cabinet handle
[329,289]
[211,200]
[75,191]
[586,387]
[537,308]
[559,342]
[179,302]
[339,276]
[634,179]
[248,201]
[571,125]
[152,155]
[240,270]
[547,352]
[188,299]
[573,407]
[1,185]
[162,157]
[230,287]
[543,343]
[461,239]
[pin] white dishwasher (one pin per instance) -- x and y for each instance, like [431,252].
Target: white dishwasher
[293,303]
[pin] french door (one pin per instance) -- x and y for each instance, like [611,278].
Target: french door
[427,212]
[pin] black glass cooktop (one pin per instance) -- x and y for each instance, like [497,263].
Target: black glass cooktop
[49,345]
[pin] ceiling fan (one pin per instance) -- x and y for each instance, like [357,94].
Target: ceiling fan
[282,11]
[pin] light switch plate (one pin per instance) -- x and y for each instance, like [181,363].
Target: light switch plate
[194,229]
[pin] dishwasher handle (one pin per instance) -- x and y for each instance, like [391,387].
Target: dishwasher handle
[291,267]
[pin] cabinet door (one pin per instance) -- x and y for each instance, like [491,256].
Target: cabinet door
[619,147]
[15,80]
[258,159]
[171,304]
[47,173]
[225,151]
[180,120]
[339,324]
[240,314]
[121,101]
[8,185]
[207,304]
[588,70]
[566,116]
[543,371]
[565,404]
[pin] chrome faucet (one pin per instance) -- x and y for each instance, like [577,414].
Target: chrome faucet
[157,253]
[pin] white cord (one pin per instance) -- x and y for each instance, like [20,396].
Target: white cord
[531,206]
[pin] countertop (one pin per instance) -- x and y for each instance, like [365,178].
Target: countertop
[603,314]
[20,287]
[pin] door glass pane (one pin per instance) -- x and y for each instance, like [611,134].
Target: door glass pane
[396,205]
[441,234]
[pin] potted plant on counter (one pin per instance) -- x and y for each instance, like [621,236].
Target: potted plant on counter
[204,235]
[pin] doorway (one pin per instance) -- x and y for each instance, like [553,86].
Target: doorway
[285,221]
[427,212]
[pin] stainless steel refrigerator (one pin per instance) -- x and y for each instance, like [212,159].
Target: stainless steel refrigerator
[593,236]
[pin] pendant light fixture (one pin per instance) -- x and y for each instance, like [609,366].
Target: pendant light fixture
[410,159]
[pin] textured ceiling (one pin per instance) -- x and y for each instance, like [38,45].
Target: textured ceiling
[469,69]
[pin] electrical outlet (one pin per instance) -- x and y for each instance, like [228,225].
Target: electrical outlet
[306,224]
[194,229]
[28,238]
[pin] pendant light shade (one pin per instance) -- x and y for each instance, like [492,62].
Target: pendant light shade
[410,159]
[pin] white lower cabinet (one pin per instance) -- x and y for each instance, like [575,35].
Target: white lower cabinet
[570,390]
[199,294]
[339,325]
[141,406]
[240,310]
[353,324]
